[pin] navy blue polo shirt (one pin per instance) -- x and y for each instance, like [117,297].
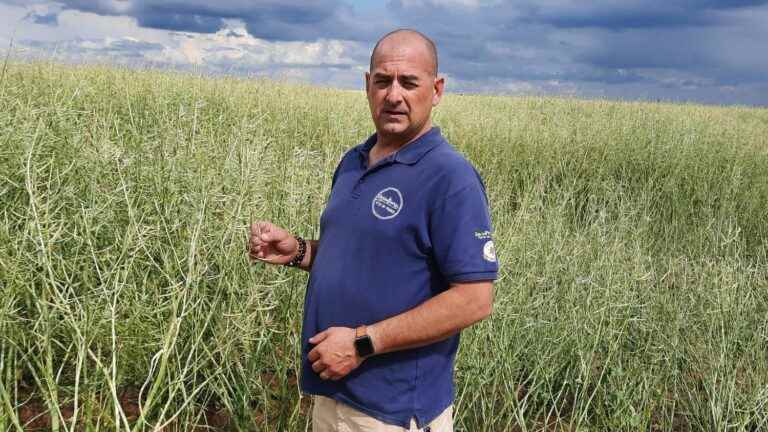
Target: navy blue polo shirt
[392,236]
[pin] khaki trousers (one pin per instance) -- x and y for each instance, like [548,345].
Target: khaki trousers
[331,416]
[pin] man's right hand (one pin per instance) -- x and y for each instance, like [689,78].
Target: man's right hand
[271,244]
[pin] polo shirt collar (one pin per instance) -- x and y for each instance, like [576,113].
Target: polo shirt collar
[410,153]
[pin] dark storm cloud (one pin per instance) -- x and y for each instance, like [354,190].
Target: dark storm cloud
[51,19]
[653,44]
[269,20]
[628,18]
[180,22]
[296,23]
[721,56]
[21,2]
[100,7]
[637,14]
[300,20]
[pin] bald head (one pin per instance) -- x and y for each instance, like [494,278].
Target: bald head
[407,36]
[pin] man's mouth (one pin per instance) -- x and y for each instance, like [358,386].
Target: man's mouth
[394,113]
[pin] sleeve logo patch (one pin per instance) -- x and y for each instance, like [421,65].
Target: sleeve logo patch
[387,203]
[489,251]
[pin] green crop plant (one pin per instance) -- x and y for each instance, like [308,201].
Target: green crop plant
[633,241]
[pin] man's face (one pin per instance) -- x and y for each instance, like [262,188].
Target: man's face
[402,89]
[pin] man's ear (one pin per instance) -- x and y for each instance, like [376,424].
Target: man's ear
[367,81]
[439,88]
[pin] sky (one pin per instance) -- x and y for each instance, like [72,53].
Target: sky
[705,51]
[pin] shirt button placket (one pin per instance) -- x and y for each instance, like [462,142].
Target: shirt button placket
[358,185]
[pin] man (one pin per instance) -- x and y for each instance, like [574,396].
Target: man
[404,261]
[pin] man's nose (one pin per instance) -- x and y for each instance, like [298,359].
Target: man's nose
[394,94]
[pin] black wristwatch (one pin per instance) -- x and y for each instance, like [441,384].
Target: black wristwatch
[363,342]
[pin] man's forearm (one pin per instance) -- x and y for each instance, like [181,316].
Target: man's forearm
[434,320]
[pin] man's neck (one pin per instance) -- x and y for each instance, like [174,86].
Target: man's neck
[386,145]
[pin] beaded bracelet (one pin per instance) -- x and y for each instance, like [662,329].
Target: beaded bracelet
[302,251]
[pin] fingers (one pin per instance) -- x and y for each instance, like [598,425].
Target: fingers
[313,355]
[260,235]
[322,369]
[316,339]
[261,229]
[254,239]
[325,372]
[255,249]
[265,231]
[264,234]
[318,366]
[272,233]
[269,232]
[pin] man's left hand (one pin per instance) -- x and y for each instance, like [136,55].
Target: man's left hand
[334,355]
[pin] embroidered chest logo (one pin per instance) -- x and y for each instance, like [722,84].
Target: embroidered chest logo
[387,203]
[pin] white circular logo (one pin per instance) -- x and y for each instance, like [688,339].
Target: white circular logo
[489,251]
[387,203]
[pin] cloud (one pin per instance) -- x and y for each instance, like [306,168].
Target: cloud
[303,20]
[631,14]
[235,48]
[724,55]
[675,48]
[51,19]
[44,14]
[100,7]
[123,50]
[231,50]
[666,47]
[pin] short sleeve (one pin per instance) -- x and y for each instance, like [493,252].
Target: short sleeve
[340,168]
[461,236]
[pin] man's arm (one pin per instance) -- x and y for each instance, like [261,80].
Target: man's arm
[436,319]
[443,315]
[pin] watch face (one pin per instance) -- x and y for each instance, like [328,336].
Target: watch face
[364,346]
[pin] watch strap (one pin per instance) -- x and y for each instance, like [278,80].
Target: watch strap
[363,343]
[361,331]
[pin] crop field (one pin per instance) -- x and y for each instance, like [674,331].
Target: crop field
[633,241]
